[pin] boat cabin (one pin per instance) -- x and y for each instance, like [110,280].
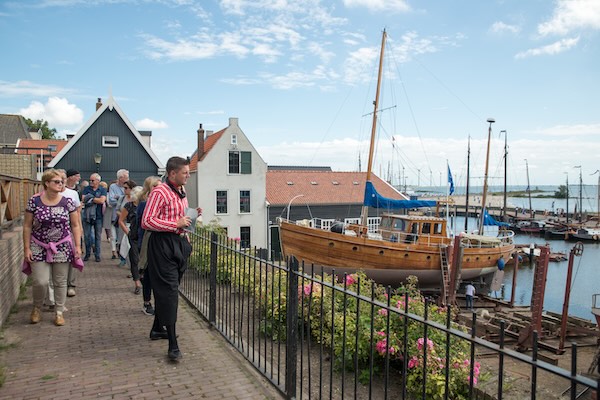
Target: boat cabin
[409,228]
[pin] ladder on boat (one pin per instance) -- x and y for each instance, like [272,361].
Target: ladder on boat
[445,270]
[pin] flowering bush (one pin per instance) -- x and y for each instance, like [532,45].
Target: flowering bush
[337,318]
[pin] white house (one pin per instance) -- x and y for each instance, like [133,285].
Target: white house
[229,183]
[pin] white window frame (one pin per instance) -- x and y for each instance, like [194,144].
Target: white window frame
[110,141]
[240,201]
[226,202]
[234,138]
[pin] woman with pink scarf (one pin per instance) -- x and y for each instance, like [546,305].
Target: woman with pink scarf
[51,220]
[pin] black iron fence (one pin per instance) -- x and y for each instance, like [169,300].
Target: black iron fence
[318,335]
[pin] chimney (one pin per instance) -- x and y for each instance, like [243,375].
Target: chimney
[233,121]
[200,142]
[99,103]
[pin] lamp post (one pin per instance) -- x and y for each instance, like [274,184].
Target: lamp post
[97,160]
[290,204]
[505,177]
[485,178]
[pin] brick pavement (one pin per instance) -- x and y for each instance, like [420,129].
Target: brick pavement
[103,351]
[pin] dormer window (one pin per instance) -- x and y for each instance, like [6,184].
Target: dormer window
[313,183]
[234,139]
[355,183]
[335,183]
[290,183]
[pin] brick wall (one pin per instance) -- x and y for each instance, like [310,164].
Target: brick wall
[19,166]
[11,277]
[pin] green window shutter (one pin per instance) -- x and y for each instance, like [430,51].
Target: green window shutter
[246,162]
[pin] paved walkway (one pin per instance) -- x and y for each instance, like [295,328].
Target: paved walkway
[103,351]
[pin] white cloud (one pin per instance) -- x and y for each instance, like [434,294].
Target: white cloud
[570,130]
[570,15]
[550,49]
[27,88]
[149,124]
[500,27]
[342,155]
[379,5]
[57,111]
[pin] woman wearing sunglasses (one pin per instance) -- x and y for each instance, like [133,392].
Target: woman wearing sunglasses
[49,224]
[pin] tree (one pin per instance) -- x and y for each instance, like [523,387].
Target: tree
[47,132]
[561,193]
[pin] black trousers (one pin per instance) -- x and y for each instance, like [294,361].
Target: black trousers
[168,254]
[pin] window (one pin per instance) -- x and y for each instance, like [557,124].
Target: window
[244,237]
[234,139]
[240,162]
[426,229]
[244,201]
[221,201]
[51,147]
[110,141]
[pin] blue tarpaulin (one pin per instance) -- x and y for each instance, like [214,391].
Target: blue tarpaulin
[488,220]
[375,200]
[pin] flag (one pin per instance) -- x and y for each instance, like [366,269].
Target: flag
[450,181]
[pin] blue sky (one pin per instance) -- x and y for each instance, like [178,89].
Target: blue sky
[300,76]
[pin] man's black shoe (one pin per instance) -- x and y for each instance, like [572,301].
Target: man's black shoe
[87,257]
[174,355]
[154,335]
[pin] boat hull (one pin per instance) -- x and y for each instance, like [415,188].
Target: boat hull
[383,261]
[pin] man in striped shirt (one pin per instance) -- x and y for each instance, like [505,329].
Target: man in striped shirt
[168,249]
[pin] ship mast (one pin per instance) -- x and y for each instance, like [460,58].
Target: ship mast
[485,177]
[365,209]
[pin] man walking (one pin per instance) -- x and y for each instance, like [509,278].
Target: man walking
[71,186]
[469,293]
[168,249]
[116,191]
[94,196]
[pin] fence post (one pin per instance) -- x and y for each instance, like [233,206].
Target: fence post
[291,329]
[212,301]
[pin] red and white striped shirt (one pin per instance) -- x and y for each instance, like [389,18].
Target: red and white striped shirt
[163,209]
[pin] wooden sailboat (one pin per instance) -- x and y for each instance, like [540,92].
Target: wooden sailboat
[404,245]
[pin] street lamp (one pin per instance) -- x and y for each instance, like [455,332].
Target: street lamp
[290,204]
[485,178]
[97,160]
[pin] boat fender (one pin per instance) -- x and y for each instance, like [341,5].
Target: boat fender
[501,263]
[595,237]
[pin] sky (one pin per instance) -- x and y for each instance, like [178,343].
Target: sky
[301,78]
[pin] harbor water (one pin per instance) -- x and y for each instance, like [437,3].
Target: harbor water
[585,279]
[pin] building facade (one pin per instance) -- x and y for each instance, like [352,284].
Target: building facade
[230,184]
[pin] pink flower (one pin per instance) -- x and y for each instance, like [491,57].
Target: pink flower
[413,362]
[304,290]
[421,341]
[474,380]
[382,311]
[380,347]
[350,279]
[381,333]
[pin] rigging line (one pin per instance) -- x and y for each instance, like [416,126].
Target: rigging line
[328,130]
[414,120]
[479,118]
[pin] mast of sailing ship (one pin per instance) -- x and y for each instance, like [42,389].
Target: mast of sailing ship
[365,208]
[528,190]
[485,177]
[467,196]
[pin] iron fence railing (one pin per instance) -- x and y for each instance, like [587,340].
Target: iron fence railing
[314,335]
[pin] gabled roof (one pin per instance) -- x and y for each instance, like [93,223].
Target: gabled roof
[12,128]
[110,104]
[323,187]
[33,146]
[209,143]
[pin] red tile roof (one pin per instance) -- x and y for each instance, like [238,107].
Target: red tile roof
[323,187]
[209,142]
[29,146]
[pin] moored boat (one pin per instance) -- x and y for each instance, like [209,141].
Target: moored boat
[403,245]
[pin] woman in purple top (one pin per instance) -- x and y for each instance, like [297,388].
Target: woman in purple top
[50,221]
